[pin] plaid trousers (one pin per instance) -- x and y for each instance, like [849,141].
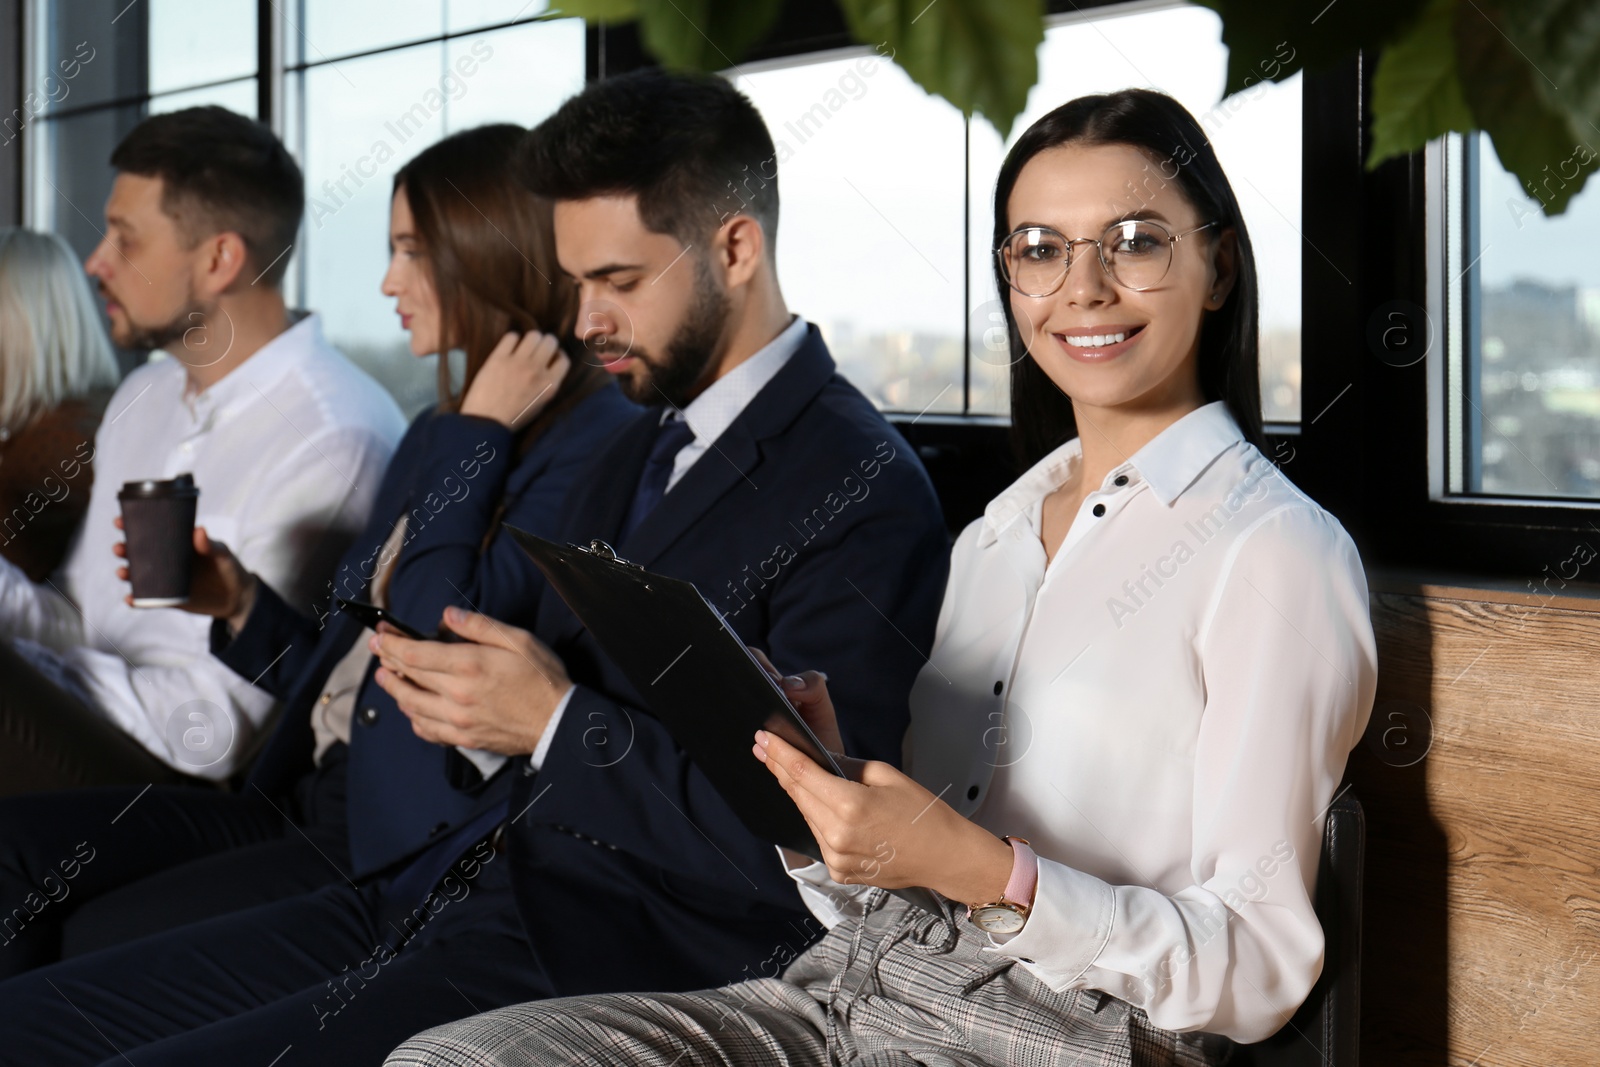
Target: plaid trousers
[900,986]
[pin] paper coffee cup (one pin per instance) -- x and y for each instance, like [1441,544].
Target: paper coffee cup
[158,521]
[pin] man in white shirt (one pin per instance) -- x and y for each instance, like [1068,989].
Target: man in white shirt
[286,440]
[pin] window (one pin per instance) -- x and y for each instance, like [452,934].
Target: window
[887,217]
[872,194]
[1522,306]
[97,67]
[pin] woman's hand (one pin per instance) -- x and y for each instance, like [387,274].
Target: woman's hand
[219,586]
[518,379]
[808,692]
[887,830]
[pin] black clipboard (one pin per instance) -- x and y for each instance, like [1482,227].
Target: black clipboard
[694,674]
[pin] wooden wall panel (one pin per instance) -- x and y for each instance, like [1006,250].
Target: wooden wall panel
[1482,933]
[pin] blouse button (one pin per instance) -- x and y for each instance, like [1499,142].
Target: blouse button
[1121,479]
[997,687]
[1099,510]
[972,794]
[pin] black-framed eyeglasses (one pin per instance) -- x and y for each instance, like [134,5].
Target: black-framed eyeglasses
[1135,254]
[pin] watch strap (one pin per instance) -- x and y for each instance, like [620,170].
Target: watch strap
[1024,880]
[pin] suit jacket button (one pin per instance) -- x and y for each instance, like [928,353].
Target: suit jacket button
[437,830]
[368,716]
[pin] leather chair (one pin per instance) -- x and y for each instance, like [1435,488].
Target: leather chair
[1326,1031]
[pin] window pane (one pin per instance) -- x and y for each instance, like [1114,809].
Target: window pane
[870,229]
[1532,318]
[72,175]
[460,15]
[354,141]
[323,31]
[88,52]
[239,96]
[358,121]
[1256,135]
[193,42]
[517,75]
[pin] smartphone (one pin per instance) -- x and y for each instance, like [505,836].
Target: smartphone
[370,615]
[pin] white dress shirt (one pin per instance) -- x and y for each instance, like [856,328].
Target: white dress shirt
[708,415]
[287,450]
[1164,712]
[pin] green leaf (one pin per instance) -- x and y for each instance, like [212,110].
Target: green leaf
[1533,140]
[1271,40]
[981,55]
[1560,39]
[601,12]
[704,35]
[1416,92]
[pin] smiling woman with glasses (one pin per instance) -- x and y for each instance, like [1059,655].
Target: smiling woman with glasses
[1153,657]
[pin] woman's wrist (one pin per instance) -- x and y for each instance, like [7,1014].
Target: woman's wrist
[474,410]
[243,604]
[983,871]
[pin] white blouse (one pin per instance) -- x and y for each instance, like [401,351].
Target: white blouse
[1164,713]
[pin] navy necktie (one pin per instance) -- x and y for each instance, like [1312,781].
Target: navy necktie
[670,439]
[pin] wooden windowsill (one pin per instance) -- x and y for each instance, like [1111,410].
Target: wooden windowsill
[1574,596]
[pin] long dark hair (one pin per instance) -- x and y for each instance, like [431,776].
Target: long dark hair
[489,247]
[1041,414]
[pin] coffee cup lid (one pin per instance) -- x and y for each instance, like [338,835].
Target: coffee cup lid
[180,485]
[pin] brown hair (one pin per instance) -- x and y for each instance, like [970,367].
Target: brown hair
[489,247]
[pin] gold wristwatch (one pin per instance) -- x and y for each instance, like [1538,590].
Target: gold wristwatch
[1009,914]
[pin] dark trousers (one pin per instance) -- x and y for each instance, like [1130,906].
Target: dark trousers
[50,740]
[321,978]
[87,868]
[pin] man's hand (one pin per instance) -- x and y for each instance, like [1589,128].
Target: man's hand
[219,585]
[494,691]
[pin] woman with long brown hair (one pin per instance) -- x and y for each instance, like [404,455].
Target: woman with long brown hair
[343,790]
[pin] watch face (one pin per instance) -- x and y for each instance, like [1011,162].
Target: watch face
[998,919]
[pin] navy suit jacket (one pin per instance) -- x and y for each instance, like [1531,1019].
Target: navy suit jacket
[453,477]
[813,527]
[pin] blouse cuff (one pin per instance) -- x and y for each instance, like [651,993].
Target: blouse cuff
[829,901]
[1068,926]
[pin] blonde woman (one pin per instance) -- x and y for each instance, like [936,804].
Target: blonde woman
[56,374]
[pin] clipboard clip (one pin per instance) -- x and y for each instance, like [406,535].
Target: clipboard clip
[599,548]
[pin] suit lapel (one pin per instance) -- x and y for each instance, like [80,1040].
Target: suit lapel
[731,458]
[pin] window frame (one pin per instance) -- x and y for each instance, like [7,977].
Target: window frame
[1379,459]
